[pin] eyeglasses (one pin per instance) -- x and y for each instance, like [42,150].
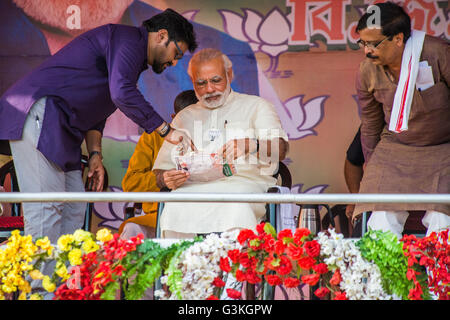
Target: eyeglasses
[180,53]
[371,46]
[201,83]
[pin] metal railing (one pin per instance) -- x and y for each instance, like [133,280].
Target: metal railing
[322,198]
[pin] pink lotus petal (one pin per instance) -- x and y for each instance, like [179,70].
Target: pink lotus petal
[275,36]
[190,15]
[232,24]
[313,112]
[251,23]
[101,210]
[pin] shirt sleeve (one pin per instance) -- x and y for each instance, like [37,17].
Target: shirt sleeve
[267,123]
[139,176]
[99,126]
[372,116]
[125,63]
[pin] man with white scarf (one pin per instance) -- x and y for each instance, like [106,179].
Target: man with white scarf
[403,92]
[243,129]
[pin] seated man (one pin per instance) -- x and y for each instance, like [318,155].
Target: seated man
[140,177]
[242,129]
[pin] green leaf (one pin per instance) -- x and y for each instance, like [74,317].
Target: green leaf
[269,229]
[110,291]
[254,242]
[275,262]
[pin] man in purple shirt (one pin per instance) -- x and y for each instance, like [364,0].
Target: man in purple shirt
[48,114]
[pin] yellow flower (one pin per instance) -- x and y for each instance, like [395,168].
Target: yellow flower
[35,274]
[65,241]
[36,296]
[90,246]
[75,257]
[82,235]
[48,285]
[44,244]
[61,270]
[23,296]
[104,235]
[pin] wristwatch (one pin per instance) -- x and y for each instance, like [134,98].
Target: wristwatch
[165,130]
[92,153]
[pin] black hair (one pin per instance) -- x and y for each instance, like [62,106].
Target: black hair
[178,27]
[184,99]
[393,20]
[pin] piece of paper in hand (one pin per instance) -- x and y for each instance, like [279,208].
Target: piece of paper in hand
[204,167]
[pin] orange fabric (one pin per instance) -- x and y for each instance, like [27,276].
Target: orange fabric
[140,178]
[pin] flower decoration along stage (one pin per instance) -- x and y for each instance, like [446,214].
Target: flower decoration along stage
[377,266]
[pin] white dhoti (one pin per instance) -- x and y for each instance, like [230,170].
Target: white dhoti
[206,217]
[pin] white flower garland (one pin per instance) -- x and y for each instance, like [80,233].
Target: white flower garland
[361,280]
[200,266]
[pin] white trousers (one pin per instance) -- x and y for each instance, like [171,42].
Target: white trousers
[394,221]
[37,174]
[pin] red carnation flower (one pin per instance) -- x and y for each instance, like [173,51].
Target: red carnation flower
[291,282]
[312,248]
[299,234]
[336,278]
[246,261]
[234,255]
[285,233]
[322,292]
[273,280]
[244,235]
[240,275]
[306,263]
[285,266]
[218,282]
[294,252]
[338,295]
[233,294]
[269,243]
[279,247]
[260,228]
[311,279]
[320,268]
[252,277]
[225,265]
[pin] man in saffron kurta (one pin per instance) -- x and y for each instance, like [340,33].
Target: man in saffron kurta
[416,160]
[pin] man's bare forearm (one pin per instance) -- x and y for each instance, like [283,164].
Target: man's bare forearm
[159,174]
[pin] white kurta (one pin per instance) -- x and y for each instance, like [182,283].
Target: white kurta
[241,116]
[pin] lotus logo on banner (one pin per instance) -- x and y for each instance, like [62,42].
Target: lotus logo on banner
[259,31]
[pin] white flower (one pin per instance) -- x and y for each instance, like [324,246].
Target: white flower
[200,265]
[361,280]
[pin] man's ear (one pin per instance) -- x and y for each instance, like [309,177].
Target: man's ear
[398,38]
[230,74]
[162,36]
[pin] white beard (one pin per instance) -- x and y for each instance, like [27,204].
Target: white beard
[215,103]
[92,13]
